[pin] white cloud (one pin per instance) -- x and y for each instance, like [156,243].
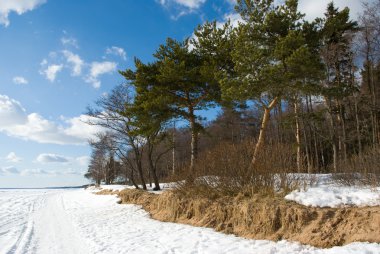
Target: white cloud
[17,123]
[314,9]
[18,6]
[51,71]
[20,80]
[42,172]
[32,172]
[75,61]
[190,4]
[234,18]
[69,41]
[12,157]
[56,158]
[78,127]
[97,69]
[51,158]
[117,51]
[11,112]
[9,170]
[181,7]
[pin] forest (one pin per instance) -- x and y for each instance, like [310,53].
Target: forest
[291,96]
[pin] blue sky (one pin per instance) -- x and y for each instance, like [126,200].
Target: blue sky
[58,56]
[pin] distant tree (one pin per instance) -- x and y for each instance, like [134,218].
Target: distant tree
[110,113]
[337,33]
[97,166]
[369,44]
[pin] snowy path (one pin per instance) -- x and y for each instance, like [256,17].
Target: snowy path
[76,221]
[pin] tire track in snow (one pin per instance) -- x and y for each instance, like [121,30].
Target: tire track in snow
[36,222]
[55,232]
[18,228]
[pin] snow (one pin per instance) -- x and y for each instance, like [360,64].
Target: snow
[324,192]
[77,221]
[112,187]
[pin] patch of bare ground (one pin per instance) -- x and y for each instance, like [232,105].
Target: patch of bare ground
[260,217]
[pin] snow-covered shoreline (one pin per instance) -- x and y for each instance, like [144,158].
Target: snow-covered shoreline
[76,221]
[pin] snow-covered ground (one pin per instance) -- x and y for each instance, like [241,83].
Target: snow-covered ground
[116,187]
[324,192]
[77,221]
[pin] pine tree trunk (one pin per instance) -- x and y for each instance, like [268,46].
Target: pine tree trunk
[332,135]
[154,175]
[264,123]
[141,174]
[173,150]
[132,178]
[358,135]
[344,135]
[194,138]
[298,136]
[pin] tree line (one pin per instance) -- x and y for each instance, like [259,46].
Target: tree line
[278,79]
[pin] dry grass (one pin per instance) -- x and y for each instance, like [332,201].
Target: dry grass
[263,217]
[107,192]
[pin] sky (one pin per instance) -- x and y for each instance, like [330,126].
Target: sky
[58,56]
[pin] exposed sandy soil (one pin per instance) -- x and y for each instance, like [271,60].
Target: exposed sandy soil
[270,218]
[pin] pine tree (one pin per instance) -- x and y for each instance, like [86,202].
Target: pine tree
[337,57]
[271,55]
[177,84]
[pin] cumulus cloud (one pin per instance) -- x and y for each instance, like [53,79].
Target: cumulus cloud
[56,158]
[20,80]
[43,172]
[12,157]
[78,127]
[18,6]
[181,7]
[38,172]
[31,172]
[11,113]
[314,9]
[117,51]
[9,171]
[51,158]
[17,123]
[50,72]
[190,4]
[234,18]
[98,69]
[68,59]
[75,61]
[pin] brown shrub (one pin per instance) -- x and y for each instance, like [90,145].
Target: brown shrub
[360,170]
[226,170]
